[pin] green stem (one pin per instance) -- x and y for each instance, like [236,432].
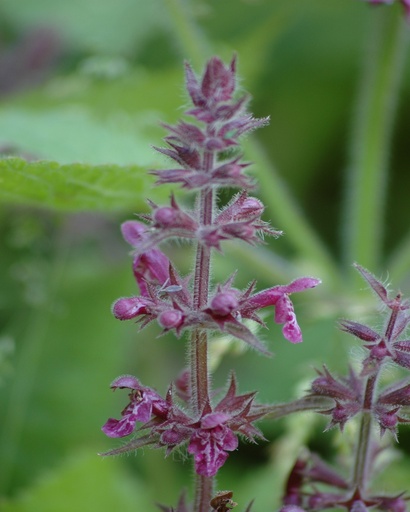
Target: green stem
[362,452]
[371,138]
[399,262]
[191,39]
[26,370]
[360,467]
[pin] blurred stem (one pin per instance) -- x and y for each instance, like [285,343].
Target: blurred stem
[16,410]
[363,448]
[360,473]
[308,403]
[371,138]
[191,39]
[362,453]
[265,266]
[399,262]
[27,365]
[286,212]
[272,189]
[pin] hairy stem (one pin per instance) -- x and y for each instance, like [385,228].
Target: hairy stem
[360,471]
[204,489]
[199,339]
[308,403]
[363,445]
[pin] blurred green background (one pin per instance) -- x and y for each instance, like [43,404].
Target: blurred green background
[87,83]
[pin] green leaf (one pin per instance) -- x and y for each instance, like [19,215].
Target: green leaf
[84,483]
[71,134]
[72,187]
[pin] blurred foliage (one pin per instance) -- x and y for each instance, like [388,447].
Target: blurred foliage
[83,88]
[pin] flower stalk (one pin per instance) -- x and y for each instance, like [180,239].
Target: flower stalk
[359,395]
[207,159]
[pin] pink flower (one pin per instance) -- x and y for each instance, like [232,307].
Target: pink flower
[210,443]
[278,296]
[130,307]
[143,403]
[151,266]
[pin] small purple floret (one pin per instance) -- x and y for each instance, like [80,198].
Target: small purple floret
[144,402]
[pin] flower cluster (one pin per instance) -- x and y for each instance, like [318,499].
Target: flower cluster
[302,492]
[225,120]
[204,150]
[351,394]
[359,394]
[405,4]
[209,437]
[166,297]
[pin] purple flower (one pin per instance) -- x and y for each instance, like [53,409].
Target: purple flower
[347,394]
[229,306]
[239,219]
[392,503]
[151,266]
[213,435]
[144,402]
[278,296]
[130,307]
[210,443]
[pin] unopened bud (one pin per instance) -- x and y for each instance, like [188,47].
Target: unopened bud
[165,217]
[170,319]
[130,307]
[224,303]
[252,207]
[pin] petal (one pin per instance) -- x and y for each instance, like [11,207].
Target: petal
[265,298]
[142,410]
[129,307]
[283,310]
[299,285]
[214,419]
[151,266]
[208,457]
[291,331]
[285,314]
[119,428]
[126,381]
[133,231]
[230,441]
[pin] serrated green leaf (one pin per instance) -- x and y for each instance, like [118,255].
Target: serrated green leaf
[72,187]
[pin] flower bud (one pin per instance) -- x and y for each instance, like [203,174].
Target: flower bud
[165,217]
[224,303]
[129,307]
[170,318]
[251,207]
[388,419]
